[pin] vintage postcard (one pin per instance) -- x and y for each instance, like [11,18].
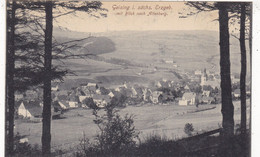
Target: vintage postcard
[135,78]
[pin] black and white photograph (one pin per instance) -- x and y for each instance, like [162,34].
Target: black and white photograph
[128,78]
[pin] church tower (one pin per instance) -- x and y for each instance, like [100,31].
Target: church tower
[204,78]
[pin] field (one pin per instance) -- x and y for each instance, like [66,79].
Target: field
[140,56]
[164,120]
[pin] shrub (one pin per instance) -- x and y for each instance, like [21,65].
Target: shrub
[155,140]
[117,134]
[24,149]
[155,145]
[90,103]
[188,129]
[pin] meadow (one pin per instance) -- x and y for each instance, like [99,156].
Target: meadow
[140,56]
[163,120]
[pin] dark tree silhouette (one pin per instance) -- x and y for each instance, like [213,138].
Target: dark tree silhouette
[46,127]
[46,114]
[243,74]
[227,105]
[227,108]
[23,47]
[241,13]
[10,77]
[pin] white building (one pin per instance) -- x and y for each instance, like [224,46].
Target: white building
[188,98]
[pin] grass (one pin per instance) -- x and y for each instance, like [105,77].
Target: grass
[189,49]
[168,120]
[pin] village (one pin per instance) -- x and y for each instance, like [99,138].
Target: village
[203,87]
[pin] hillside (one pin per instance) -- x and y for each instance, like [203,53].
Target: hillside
[141,56]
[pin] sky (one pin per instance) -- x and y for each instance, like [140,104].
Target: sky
[118,20]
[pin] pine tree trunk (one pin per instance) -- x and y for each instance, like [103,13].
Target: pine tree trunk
[10,83]
[243,75]
[250,51]
[243,68]
[227,108]
[46,115]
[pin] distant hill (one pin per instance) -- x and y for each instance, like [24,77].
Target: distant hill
[138,53]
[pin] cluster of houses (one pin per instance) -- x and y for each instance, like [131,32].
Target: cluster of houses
[29,104]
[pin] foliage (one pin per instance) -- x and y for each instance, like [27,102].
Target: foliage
[207,88]
[117,134]
[156,145]
[119,99]
[155,140]
[188,129]
[196,89]
[90,103]
[24,149]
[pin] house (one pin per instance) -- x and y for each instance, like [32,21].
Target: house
[101,100]
[73,104]
[198,72]
[186,88]
[24,140]
[236,93]
[64,104]
[213,83]
[205,93]
[89,88]
[134,92]
[188,98]
[33,109]
[70,101]
[207,100]
[169,61]
[209,80]
[55,88]
[79,92]
[235,78]
[82,98]
[62,92]
[164,97]
[104,91]
[92,85]
[146,94]
[62,97]
[73,97]
[111,94]
[30,109]
[98,91]
[158,84]
[155,96]
[124,85]
[18,96]
[248,92]
[183,102]
[164,80]
[118,89]
[56,109]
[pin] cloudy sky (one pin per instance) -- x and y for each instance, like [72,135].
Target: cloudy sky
[153,16]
